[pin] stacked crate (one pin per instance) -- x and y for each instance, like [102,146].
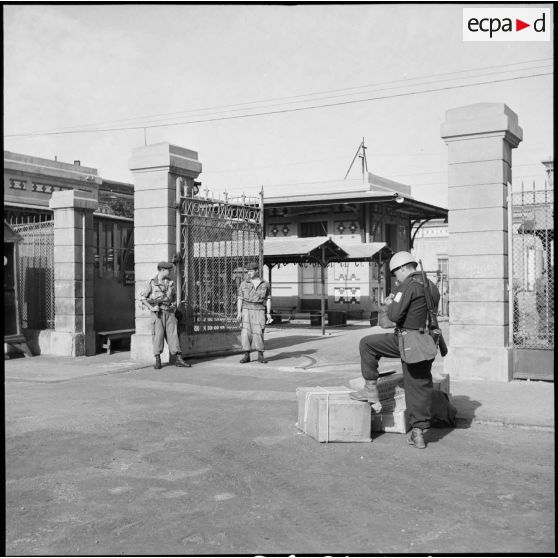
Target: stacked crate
[328,414]
[391,413]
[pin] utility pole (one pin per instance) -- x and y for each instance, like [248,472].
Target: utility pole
[361,152]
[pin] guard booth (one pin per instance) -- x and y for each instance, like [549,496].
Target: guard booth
[13,336]
[321,252]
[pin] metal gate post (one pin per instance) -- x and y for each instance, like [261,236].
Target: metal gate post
[322,278]
[510,270]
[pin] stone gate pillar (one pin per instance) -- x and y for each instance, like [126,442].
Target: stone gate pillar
[480,139]
[156,169]
[74,333]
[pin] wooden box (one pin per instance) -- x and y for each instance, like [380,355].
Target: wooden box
[396,403]
[390,422]
[387,384]
[328,414]
[442,383]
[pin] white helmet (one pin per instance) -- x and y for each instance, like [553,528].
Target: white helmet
[399,259]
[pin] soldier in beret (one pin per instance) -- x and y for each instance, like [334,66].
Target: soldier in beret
[159,295]
[254,306]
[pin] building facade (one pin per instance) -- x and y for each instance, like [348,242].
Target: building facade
[351,212]
[29,183]
[430,245]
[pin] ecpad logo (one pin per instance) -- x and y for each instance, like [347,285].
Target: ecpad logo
[506,24]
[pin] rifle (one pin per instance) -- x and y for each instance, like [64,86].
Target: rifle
[145,305]
[433,326]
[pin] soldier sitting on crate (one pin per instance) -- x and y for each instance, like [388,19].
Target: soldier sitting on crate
[407,308]
[159,296]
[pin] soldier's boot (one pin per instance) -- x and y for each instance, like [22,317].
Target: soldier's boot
[368,393]
[415,437]
[261,357]
[245,358]
[181,363]
[158,364]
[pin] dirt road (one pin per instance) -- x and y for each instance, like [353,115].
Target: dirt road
[208,460]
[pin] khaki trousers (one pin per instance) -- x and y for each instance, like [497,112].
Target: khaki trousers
[164,326]
[253,325]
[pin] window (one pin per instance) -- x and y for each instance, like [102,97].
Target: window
[114,243]
[311,279]
[443,265]
[314,228]
[390,236]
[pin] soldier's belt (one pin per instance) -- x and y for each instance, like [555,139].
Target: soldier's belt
[252,306]
[398,330]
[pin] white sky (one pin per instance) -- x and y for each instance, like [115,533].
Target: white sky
[74,66]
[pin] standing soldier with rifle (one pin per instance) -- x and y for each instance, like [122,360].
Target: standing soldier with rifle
[415,301]
[159,296]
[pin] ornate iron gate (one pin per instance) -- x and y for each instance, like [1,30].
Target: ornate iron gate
[217,238]
[532,289]
[36,274]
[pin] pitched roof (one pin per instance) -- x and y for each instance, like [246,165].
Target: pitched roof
[321,249]
[10,235]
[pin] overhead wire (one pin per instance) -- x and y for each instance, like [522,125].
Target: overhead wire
[279,111]
[150,118]
[320,96]
[152,122]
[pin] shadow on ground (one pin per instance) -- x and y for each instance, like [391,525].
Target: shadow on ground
[290,340]
[270,345]
[292,354]
[466,408]
[288,326]
[434,434]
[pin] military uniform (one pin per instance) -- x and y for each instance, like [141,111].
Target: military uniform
[160,295]
[408,311]
[252,306]
[253,313]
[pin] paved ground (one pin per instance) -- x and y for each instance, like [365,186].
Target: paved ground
[103,458]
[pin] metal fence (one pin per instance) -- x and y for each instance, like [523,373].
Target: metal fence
[441,280]
[36,274]
[218,237]
[532,270]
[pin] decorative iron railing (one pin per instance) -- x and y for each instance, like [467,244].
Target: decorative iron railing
[36,274]
[218,237]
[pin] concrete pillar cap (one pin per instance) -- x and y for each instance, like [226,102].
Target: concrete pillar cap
[165,156]
[482,119]
[70,199]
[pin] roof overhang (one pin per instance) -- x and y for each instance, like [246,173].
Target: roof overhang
[10,235]
[366,252]
[322,250]
[317,249]
[401,204]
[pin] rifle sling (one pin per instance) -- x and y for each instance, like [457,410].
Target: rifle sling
[429,302]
